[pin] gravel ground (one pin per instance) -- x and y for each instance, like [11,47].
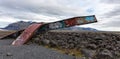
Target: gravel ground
[31,51]
[93,45]
[6,42]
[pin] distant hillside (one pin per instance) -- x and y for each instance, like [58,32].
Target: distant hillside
[22,25]
[1,29]
[80,28]
[18,25]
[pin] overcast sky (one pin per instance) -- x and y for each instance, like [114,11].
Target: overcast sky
[107,11]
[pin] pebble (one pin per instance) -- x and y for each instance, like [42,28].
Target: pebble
[9,54]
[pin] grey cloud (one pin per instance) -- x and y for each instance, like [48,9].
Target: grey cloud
[112,24]
[114,18]
[5,24]
[111,1]
[45,9]
[114,12]
[24,14]
[59,11]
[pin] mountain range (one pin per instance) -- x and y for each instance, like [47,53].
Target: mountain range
[18,25]
[22,25]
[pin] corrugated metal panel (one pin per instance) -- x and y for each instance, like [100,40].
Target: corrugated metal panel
[27,34]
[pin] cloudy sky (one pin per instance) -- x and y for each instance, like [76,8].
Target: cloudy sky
[106,11]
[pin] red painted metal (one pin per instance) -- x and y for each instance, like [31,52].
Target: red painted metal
[70,22]
[27,34]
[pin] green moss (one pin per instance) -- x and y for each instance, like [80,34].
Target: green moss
[72,52]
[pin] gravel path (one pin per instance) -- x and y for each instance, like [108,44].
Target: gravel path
[6,42]
[28,52]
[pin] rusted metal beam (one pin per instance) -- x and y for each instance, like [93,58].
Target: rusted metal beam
[28,32]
